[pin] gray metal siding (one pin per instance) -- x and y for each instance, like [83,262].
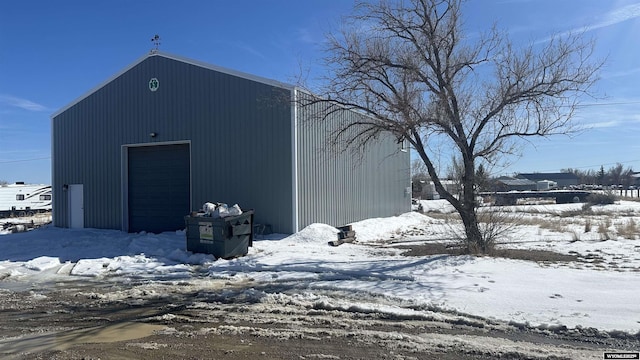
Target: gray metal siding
[239,130]
[341,187]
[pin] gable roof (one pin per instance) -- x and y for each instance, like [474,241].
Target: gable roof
[185,60]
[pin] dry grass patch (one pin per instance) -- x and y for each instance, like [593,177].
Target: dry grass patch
[534,255]
[493,223]
[587,226]
[516,254]
[629,230]
[575,236]
[497,224]
[551,224]
[584,211]
[555,226]
[443,216]
[603,230]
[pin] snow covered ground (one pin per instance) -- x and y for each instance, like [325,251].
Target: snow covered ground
[599,290]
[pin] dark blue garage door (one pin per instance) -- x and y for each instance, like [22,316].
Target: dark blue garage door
[159,187]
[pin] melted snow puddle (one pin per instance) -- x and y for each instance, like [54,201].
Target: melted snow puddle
[64,340]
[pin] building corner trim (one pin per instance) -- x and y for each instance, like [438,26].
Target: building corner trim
[294,157]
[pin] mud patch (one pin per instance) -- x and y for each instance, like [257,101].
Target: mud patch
[194,321]
[63,340]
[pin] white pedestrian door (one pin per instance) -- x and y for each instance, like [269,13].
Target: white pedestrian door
[76,206]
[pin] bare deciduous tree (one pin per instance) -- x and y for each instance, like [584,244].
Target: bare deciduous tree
[419,170]
[412,70]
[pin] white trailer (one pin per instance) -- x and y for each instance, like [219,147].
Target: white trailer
[546,185]
[22,199]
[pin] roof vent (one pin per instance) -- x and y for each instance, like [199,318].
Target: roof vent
[19,182]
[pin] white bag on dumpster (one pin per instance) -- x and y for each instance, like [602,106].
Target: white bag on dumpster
[208,208]
[235,210]
[222,210]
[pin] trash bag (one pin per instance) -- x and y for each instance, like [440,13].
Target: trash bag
[208,208]
[221,211]
[235,210]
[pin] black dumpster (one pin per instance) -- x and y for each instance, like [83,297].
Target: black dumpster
[227,237]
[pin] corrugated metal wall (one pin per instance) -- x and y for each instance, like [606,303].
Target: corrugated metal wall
[239,131]
[339,187]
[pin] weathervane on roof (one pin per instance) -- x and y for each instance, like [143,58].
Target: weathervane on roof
[156,43]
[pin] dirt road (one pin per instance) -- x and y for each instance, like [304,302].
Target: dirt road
[205,319]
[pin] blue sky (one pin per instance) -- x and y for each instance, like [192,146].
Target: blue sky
[52,52]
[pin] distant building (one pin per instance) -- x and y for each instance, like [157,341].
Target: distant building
[510,184]
[429,189]
[564,180]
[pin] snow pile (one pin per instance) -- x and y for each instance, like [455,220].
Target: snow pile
[599,290]
[318,234]
[42,263]
[437,206]
[380,229]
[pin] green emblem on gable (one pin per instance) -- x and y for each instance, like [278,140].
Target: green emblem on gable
[154,84]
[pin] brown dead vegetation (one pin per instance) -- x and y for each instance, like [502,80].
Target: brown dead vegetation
[517,254]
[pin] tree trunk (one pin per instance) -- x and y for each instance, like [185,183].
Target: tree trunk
[474,239]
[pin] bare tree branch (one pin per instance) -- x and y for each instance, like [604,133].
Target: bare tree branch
[409,68]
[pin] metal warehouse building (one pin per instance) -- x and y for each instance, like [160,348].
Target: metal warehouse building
[167,134]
